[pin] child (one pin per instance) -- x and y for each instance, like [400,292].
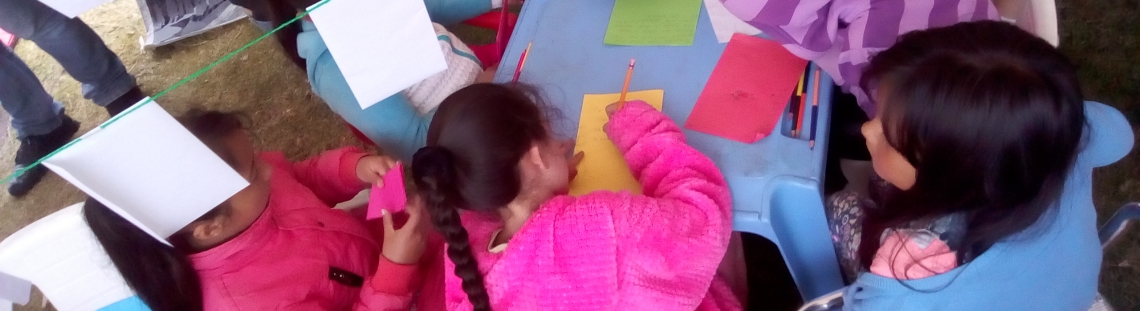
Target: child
[988,204]
[842,35]
[397,123]
[277,244]
[521,243]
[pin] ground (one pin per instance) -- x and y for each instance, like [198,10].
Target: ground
[1103,37]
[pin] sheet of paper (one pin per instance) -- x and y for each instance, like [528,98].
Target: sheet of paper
[148,168]
[653,22]
[603,167]
[391,196]
[725,23]
[72,8]
[14,290]
[381,47]
[59,254]
[748,90]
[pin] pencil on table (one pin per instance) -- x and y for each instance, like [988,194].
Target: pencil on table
[522,62]
[814,110]
[625,86]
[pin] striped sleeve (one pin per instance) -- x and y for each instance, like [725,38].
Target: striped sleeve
[842,35]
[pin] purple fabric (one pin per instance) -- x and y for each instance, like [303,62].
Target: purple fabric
[842,35]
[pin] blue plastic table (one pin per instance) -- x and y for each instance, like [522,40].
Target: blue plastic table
[775,182]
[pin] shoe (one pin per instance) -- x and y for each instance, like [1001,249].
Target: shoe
[134,95]
[32,148]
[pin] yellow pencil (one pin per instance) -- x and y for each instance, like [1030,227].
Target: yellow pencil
[625,87]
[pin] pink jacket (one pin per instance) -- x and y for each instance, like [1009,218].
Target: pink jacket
[283,260]
[617,251]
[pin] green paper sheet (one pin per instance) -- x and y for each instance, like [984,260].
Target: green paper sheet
[653,22]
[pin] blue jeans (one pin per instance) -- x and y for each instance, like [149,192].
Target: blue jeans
[74,45]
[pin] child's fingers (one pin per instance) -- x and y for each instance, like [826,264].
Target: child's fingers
[577,159]
[389,226]
[611,109]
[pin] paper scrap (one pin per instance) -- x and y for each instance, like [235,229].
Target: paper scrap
[14,290]
[603,167]
[653,22]
[748,90]
[149,169]
[381,47]
[72,8]
[725,24]
[390,196]
[60,255]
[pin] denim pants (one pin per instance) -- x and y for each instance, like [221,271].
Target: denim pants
[74,45]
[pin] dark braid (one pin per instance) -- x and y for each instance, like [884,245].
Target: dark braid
[434,175]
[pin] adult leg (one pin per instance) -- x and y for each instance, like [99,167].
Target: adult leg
[75,46]
[39,121]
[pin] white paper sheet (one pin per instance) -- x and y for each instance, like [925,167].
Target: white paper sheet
[72,8]
[149,169]
[60,255]
[14,290]
[381,47]
[725,23]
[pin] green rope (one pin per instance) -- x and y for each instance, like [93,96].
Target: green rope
[167,90]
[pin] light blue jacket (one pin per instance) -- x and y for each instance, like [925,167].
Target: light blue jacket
[1053,265]
[393,124]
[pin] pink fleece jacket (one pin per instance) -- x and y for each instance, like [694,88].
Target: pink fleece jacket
[617,251]
[282,262]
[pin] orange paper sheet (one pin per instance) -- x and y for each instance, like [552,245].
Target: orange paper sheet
[748,90]
[603,167]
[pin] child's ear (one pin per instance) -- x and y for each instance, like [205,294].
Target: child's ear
[207,230]
[534,156]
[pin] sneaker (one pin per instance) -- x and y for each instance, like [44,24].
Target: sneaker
[33,148]
[134,95]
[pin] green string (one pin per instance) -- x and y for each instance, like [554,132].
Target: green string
[193,76]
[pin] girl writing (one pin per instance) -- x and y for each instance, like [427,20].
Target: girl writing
[495,181]
[986,204]
[277,244]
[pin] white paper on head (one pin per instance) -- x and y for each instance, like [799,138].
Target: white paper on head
[381,47]
[149,169]
[60,255]
[725,23]
[14,290]
[72,8]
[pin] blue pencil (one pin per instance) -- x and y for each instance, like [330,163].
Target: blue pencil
[814,110]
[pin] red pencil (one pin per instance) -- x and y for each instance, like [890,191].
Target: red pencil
[522,62]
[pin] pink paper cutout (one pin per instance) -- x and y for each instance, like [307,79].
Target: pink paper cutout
[391,196]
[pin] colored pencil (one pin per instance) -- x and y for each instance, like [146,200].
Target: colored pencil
[801,116]
[792,108]
[625,86]
[522,62]
[814,110]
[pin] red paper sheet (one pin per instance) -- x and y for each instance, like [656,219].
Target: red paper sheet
[748,90]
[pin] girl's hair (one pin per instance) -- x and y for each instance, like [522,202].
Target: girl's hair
[990,116]
[162,276]
[474,145]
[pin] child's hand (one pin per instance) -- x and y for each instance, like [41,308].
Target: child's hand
[371,169]
[575,158]
[406,245]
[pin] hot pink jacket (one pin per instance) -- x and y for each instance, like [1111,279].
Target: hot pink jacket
[282,261]
[617,251]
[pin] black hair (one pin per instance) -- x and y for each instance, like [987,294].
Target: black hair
[991,118]
[474,144]
[162,276]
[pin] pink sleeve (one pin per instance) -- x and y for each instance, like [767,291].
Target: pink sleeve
[331,175]
[682,223]
[390,288]
[908,256]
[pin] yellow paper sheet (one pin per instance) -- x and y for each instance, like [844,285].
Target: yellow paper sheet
[604,168]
